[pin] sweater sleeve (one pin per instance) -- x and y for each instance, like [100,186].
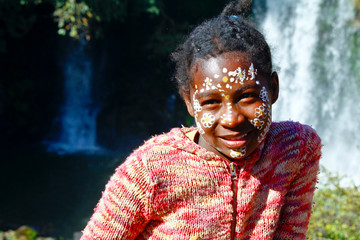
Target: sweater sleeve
[295,213]
[123,210]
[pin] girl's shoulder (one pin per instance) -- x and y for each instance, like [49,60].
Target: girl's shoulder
[176,137]
[288,129]
[159,144]
[288,133]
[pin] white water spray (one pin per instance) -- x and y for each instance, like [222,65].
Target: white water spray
[311,45]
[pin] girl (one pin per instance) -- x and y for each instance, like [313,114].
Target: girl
[236,175]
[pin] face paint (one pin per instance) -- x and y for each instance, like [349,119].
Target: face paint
[252,72]
[227,117]
[230,126]
[264,95]
[207,120]
[236,77]
[262,135]
[198,126]
[207,83]
[197,108]
[262,114]
[238,153]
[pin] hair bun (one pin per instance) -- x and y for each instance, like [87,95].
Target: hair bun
[239,7]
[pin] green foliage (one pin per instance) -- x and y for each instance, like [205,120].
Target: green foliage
[73,18]
[22,233]
[153,8]
[356,4]
[336,210]
[24,2]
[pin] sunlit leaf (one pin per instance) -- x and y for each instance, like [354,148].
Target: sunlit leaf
[155,10]
[62,32]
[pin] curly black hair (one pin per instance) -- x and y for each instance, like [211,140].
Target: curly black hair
[228,32]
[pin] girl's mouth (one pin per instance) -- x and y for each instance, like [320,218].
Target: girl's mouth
[234,141]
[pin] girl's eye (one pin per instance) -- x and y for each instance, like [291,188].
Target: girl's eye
[248,97]
[210,102]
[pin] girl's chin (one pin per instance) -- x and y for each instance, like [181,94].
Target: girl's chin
[231,154]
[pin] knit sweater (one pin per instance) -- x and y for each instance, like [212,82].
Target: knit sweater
[172,188]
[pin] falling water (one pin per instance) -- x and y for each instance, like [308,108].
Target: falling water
[78,118]
[319,83]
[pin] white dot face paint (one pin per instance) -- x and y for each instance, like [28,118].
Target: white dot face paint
[264,95]
[207,83]
[239,75]
[200,129]
[207,120]
[223,111]
[226,117]
[196,104]
[252,72]
[262,120]
[237,154]
[197,108]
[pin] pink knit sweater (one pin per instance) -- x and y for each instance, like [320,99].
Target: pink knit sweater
[171,188]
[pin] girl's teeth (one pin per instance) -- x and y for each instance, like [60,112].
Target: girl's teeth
[237,137]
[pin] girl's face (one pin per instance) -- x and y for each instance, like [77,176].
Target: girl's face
[231,103]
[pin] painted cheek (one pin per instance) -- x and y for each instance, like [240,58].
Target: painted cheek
[196,105]
[197,109]
[207,120]
[198,126]
[262,118]
[266,128]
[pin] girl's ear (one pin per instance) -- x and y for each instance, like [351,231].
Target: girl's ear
[188,103]
[274,87]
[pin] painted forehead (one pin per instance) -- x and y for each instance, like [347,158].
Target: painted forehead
[220,78]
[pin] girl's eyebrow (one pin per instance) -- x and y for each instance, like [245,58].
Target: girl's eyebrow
[208,94]
[216,92]
[248,86]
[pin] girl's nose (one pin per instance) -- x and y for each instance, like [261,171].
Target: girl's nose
[231,117]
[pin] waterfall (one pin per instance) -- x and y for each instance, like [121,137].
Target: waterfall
[319,83]
[78,114]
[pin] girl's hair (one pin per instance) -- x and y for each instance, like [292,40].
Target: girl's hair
[228,32]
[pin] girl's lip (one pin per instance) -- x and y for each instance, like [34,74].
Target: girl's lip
[234,141]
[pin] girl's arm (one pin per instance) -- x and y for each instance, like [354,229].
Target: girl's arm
[123,210]
[295,213]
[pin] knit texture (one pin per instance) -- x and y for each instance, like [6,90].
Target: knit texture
[171,188]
